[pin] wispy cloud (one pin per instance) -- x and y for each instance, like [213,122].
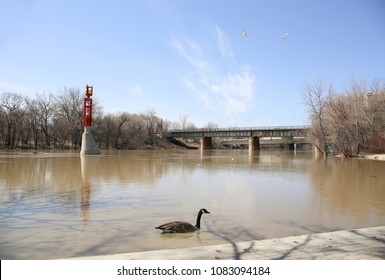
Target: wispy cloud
[223,44]
[190,50]
[16,88]
[236,89]
[231,91]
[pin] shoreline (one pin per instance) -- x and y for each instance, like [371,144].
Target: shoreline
[353,244]
[373,156]
[380,157]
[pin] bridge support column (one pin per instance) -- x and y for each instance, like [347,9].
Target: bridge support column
[206,143]
[254,143]
[289,145]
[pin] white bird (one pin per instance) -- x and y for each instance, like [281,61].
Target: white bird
[244,34]
[285,35]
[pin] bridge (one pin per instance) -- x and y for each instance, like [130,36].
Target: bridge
[287,133]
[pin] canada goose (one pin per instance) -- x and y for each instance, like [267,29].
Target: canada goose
[177,226]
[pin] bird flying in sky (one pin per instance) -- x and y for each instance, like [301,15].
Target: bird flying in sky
[285,35]
[244,34]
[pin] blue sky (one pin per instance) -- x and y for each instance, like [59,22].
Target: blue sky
[180,57]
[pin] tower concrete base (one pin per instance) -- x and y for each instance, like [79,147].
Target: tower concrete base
[89,146]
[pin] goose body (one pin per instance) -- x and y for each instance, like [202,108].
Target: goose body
[181,227]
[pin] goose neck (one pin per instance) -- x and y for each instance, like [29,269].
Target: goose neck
[198,224]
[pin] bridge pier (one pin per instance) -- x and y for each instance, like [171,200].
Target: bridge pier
[254,143]
[206,143]
[290,143]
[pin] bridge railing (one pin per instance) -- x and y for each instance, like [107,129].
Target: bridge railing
[254,128]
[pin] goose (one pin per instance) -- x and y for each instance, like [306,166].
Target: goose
[180,227]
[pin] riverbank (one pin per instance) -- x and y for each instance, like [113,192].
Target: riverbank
[354,244]
[374,157]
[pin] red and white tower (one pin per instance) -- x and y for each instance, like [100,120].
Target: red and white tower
[89,146]
[87,108]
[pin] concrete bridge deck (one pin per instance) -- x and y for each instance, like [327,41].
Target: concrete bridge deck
[253,134]
[261,131]
[354,244]
[266,141]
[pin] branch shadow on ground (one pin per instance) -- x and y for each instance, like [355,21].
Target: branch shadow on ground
[379,250]
[231,236]
[330,246]
[325,249]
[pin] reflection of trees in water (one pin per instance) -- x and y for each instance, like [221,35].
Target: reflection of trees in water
[62,173]
[45,173]
[47,177]
[349,186]
[345,185]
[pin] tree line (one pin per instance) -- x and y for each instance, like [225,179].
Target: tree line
[349,122]
[56,121]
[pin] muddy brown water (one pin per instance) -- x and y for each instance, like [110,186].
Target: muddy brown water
[59,205]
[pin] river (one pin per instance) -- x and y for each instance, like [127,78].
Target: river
[60,205]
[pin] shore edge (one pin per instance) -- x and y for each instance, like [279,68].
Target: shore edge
[353,244]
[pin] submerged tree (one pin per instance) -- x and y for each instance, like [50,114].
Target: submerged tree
[41,111]
[353,121]
[12,111]
[70,111]
[316,96]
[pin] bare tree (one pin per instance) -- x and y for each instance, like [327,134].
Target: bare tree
[356,94]
[316,96]
[150,122]
[12,110]
[353,120]
[121,137]
[32,120]
[211,125]
[70,108]
[183,119]
[58,119]
[42,110]
[61,132]
[105,130]
[342,130]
